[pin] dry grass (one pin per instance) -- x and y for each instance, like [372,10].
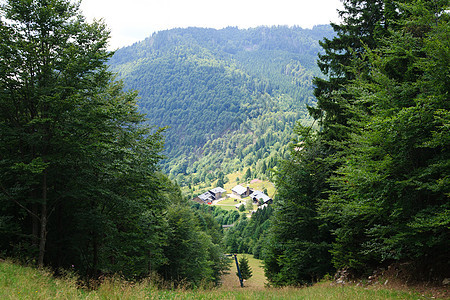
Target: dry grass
[17,282]
[257,281]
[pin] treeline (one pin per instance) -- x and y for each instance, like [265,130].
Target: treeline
[371,188]
[208,85]
[222,216]
[80,187]
[258,144]
[248,235]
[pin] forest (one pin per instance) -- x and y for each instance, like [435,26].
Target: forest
[80,185]
[370,189]
[357,145]
[229,97]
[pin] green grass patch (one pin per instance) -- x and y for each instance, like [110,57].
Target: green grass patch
[229,202]
[18,282]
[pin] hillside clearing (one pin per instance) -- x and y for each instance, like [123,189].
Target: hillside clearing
[18,282]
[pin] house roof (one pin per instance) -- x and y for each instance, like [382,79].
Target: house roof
[217,190]
[238,205]
[260,195]
[239,189]
[206,197]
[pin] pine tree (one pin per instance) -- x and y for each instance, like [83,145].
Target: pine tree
[248,174]
[298,244]
[363,22]
[299,235]
[391,193]
[244,267]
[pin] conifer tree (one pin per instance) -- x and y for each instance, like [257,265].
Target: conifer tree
[363,22]
[299,236]
[244,267]
[390,197]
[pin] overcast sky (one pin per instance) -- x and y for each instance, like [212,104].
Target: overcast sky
[134,20]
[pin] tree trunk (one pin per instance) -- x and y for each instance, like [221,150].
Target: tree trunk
[95,257]
[43,233]
[35,225]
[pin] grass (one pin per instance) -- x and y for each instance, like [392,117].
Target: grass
[229,203]
[257,281]
[18,282]
[257,184]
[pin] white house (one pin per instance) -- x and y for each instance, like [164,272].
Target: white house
[256,195]
[241,191]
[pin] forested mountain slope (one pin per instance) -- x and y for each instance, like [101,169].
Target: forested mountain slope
[228,96]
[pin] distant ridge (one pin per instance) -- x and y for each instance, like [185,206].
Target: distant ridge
[225,94]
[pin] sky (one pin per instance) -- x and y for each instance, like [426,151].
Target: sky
[131,21]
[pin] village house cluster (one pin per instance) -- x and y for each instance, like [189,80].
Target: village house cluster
[209,196]
[238,191]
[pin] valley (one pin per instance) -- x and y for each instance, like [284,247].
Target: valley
[229,98]
[322,154]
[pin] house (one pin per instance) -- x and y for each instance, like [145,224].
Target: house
[241,191]
[239,205]
[209,196]
[217,192]
[204,198]
[257,195]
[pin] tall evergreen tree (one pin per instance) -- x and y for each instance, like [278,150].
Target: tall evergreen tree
[298,243]
[304,180]
[363,22]
[391,194]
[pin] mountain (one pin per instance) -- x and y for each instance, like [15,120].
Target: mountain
[229,97]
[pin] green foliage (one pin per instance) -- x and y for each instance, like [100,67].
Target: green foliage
[259,145]
[244,268]
[193,250]
[247,235]
[226,95]
[248,174]
[300,239]
[363,22]
[249,205]
[394,173]
[376,174]
[222,216]
[298,244]
[80,186]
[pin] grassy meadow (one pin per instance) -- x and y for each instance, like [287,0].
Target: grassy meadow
[257,281]
[18,282]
